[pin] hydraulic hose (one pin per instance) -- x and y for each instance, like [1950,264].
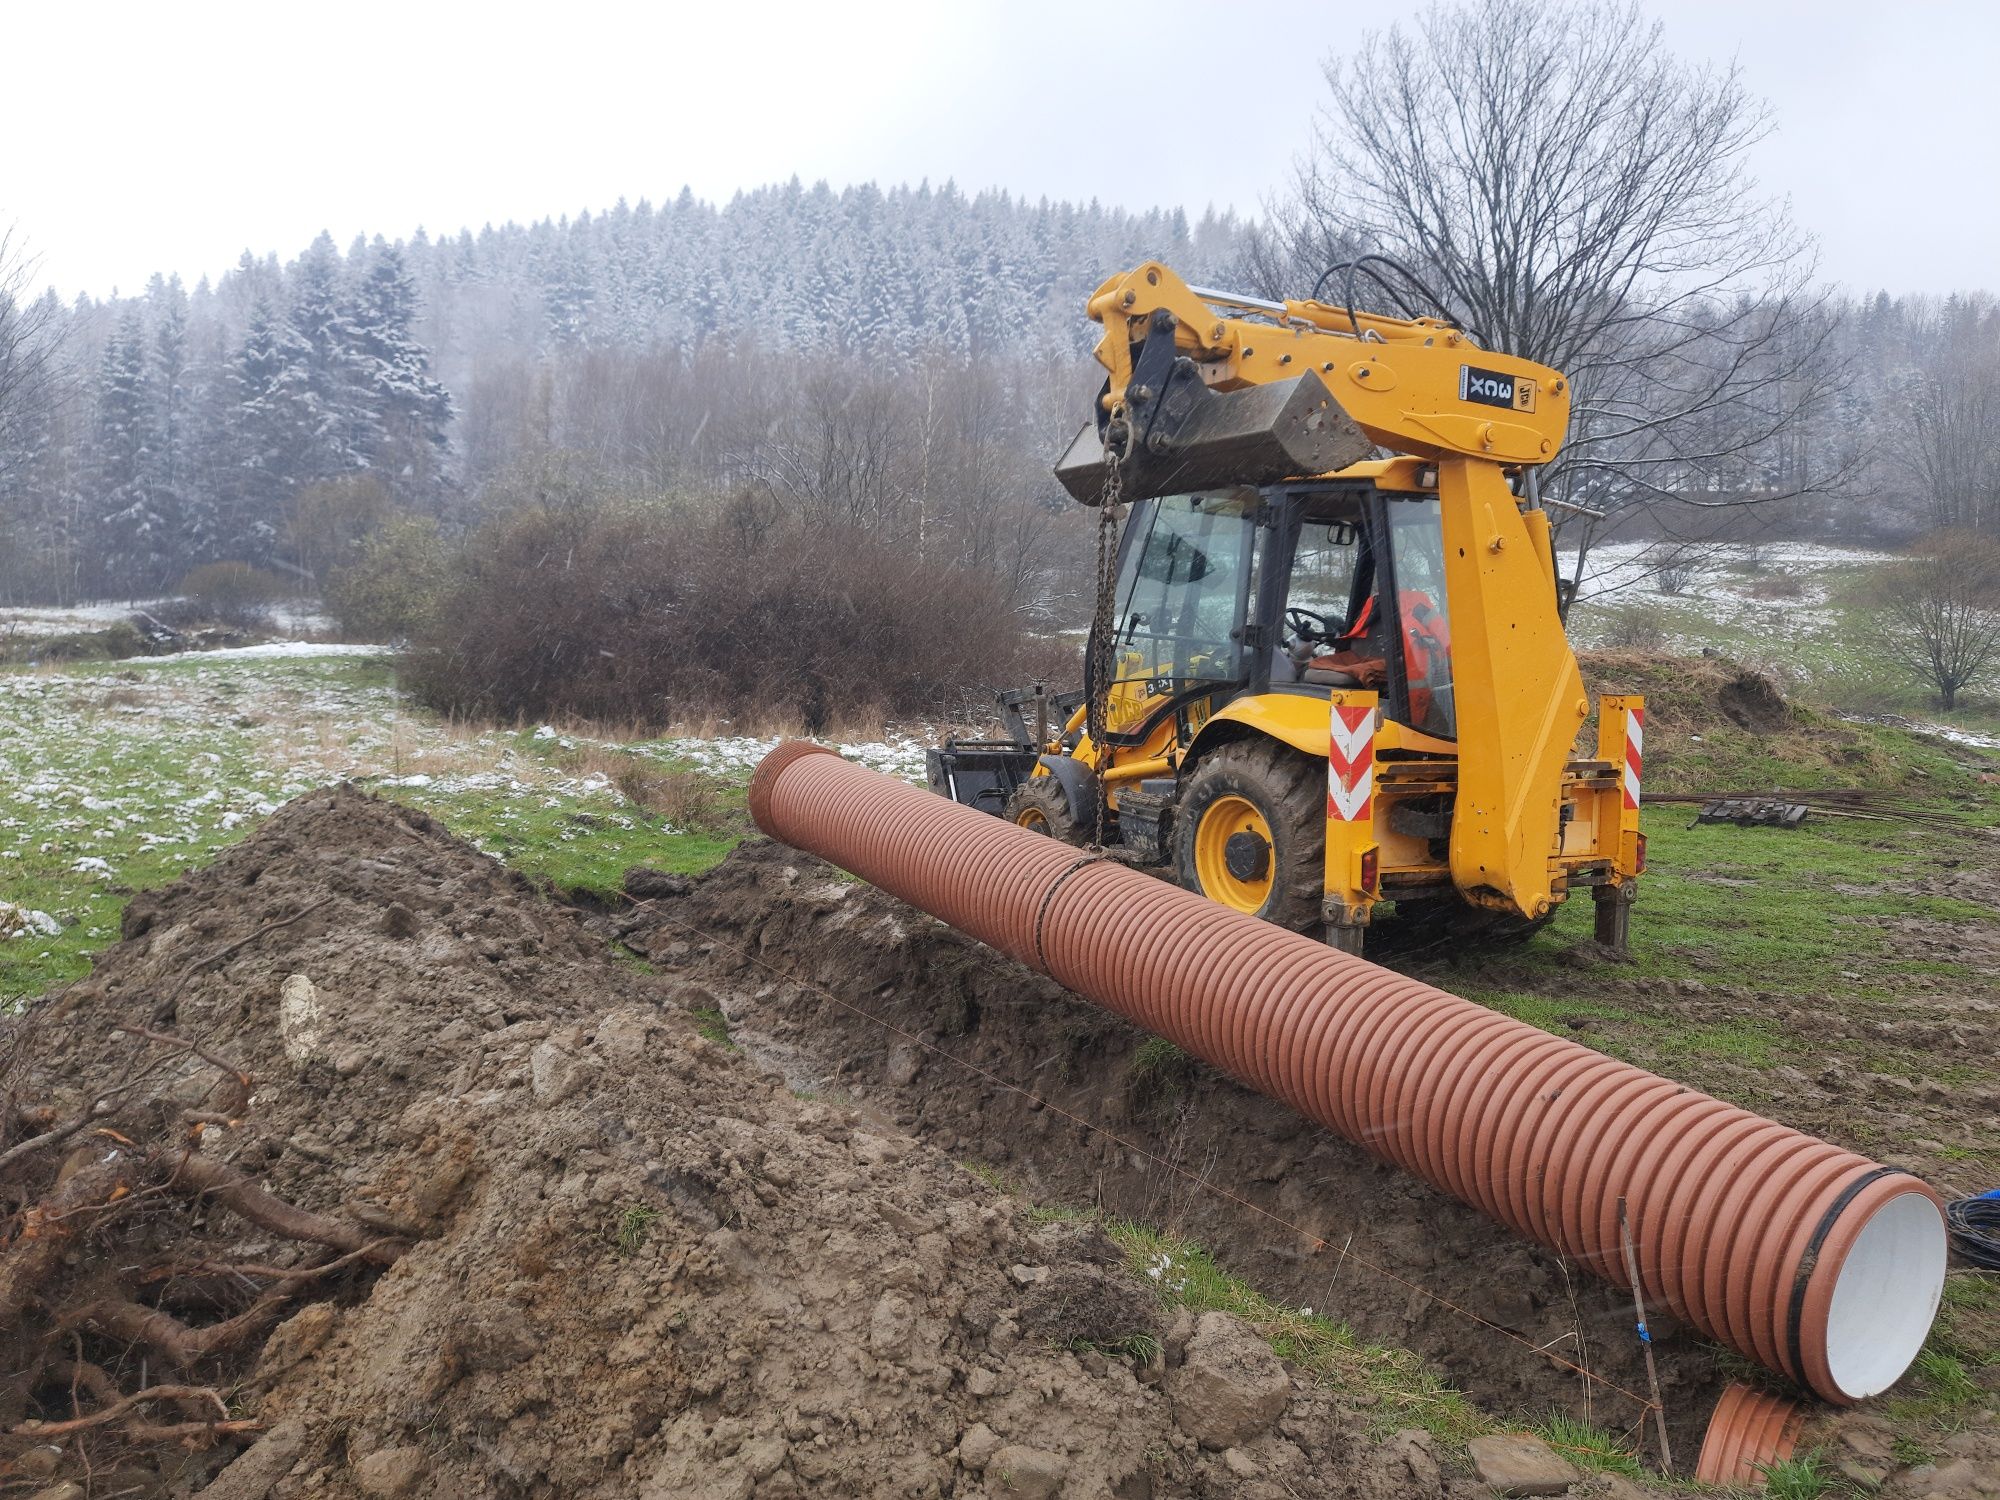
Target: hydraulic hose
[1815,1262]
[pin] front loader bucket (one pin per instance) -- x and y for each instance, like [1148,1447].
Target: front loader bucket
[1190,437]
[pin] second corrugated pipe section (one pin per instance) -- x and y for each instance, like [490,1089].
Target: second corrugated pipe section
[1817,1263]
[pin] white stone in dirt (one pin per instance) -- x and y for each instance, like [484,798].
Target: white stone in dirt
[1516,1464]
[1418,1451]
[763,1457]
[1230,1387]
[1029,1275]
[298,1337]
[1023,1473]
[554,1073]
[904,1064]
[301,1019]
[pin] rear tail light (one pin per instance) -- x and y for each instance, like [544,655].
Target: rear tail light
[1639,867]
[1370,861]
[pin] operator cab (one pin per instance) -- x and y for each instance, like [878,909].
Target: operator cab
[1292,588]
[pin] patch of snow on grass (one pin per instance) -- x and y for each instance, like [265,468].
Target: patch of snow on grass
[21,921]
[269,651]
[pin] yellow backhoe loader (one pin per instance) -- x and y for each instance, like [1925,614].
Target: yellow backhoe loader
[1322,679]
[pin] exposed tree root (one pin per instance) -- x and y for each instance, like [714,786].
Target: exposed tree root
[189,1434]
[248,1199]
[80,1375]
[118,1409]
[173,1340]
[131,1193]
[34,1253]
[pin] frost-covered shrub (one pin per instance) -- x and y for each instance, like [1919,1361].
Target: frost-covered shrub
[1641,627]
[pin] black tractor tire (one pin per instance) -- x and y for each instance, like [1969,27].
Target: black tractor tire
[1288,792]
[1041,804]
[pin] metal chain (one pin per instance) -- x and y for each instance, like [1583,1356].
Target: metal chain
[1102,654]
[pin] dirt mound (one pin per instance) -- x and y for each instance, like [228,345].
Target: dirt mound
[984,1058]
[397,1173]
[1691,694]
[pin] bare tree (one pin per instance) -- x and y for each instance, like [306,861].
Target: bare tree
[1579,196]
[28,329]
[1950,437]
[1676,566]
[1940,612]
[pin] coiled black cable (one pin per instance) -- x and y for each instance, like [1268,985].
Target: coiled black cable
[1973,1226]
[1396,290]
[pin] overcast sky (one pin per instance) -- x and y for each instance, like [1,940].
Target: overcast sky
[148,136]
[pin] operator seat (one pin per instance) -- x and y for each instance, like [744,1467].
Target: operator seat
[1360,659]
[1328,676]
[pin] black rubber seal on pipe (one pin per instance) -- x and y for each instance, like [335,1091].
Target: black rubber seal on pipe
[1042,911]
[1809,1262]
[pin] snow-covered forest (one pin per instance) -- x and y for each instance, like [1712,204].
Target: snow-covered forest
[918,350]
[905,363]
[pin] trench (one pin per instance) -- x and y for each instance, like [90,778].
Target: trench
[1073,1107]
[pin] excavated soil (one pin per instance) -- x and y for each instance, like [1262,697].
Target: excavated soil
[856,995]
[996,1064]
[628,1260]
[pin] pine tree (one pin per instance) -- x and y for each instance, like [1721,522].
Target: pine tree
[168,379]
[132,530]
[270,434]
[324,381]
[411,412]
[567,299]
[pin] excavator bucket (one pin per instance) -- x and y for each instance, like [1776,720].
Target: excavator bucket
[1189,437]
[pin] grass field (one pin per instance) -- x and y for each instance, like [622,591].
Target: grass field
[117,777]
[1802,612]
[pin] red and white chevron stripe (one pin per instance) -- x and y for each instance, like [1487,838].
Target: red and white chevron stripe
[1350,765]
[1635,744]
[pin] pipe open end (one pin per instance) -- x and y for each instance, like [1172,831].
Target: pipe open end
[1885,1295]
[765,777]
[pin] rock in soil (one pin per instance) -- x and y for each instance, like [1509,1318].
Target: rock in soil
[632,1262]
[1230,1387]
[270,1459]
[1516,1464]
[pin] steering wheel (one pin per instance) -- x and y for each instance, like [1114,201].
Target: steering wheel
[1309,624]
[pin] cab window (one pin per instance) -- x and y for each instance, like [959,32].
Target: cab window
[1182,590]
[1322,581]
[1417,546]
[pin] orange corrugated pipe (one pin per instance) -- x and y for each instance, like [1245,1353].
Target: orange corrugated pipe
[1815,1262]
[1751,1432]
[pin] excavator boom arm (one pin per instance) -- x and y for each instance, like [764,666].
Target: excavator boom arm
[1413,385]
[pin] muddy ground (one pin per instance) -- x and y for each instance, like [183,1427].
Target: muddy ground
[358,1168]
[855,995]
[764,1185]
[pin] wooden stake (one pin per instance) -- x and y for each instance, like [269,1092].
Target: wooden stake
[1645,1339]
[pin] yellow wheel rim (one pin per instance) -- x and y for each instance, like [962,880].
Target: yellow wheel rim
[1226,817]
[1034,820]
